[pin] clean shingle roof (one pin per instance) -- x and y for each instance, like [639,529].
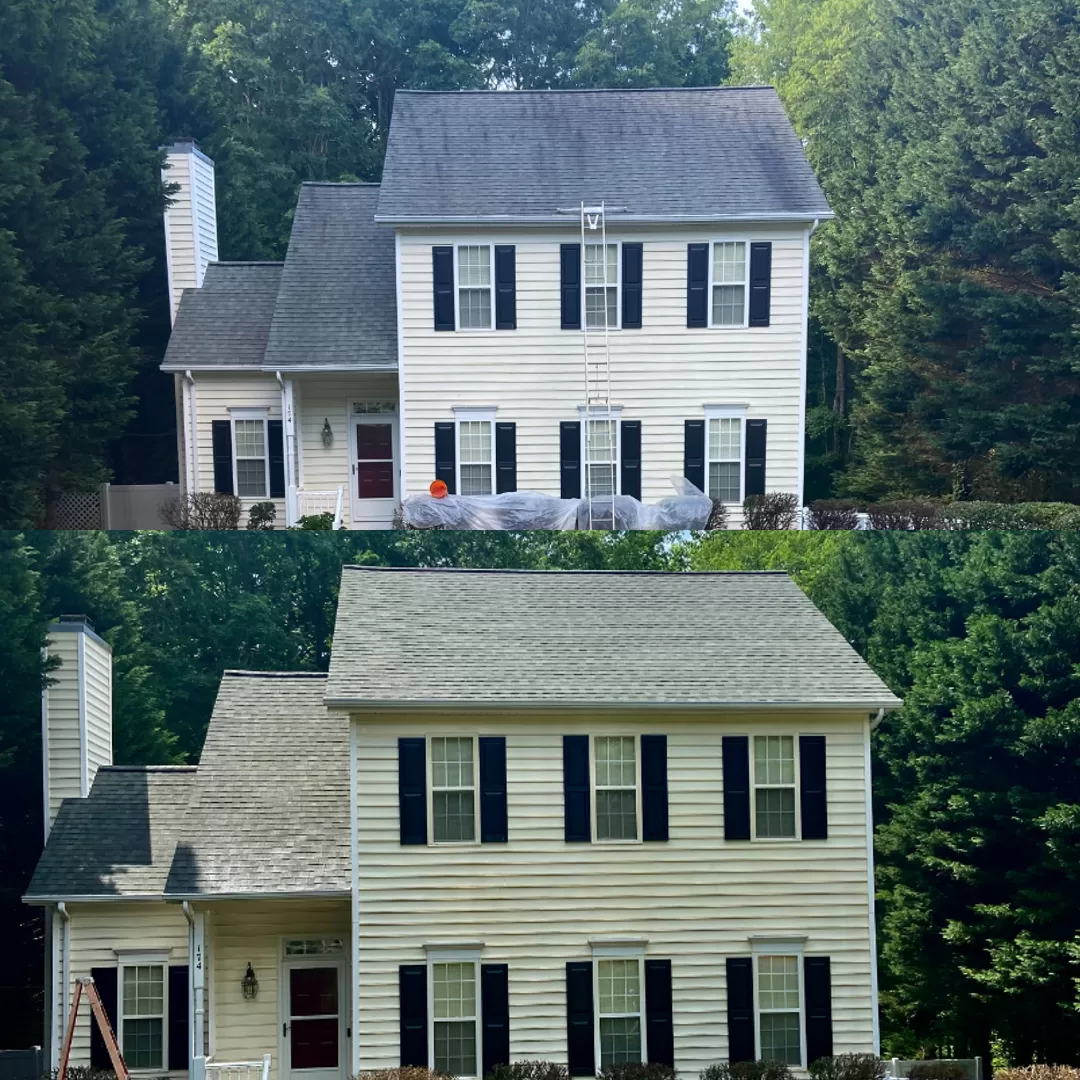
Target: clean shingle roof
[717,153]
[226,322]
[550,638]
[119,841]
[338,302]
[269,814]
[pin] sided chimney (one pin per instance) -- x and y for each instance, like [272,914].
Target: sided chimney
[190,218]
[76,712]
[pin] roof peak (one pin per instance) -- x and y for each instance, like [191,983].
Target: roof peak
[594,573]
[591,90]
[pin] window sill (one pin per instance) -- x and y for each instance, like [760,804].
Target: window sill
[775,840]
[616,843]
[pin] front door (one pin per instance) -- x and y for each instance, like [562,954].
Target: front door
[314,1025]
[374,471]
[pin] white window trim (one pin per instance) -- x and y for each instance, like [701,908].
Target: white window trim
[592,786]
[131,958]
[617,244]
[627,953]
[251,414]
[728,412]
[475,841]
[458,287]
[781,946]
[746,281]
[464,954]
[473,413]
[754,787]
[600,412]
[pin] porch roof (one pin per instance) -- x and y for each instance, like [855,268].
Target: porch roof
[474,638]
[269,813]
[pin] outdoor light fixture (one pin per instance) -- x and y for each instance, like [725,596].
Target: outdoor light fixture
[249,984]
[327,433]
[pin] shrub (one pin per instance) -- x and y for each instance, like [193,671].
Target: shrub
[989,515]
[1039,1072]
[937,1070]
[406,1072]
[905,515]
[633,1070]
[746,1070]
[82,1072]
[832,514]
[529,1070]
[262,516]
[316,521]
[774,510]
[717,516]
[203,510]
[848,1067]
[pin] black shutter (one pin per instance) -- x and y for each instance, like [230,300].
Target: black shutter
[736,755]
[570,287]
[740,1008]
[654,789]
[179,1048]
[755,457]
[412,999]
[505,457]
[813,799]
[505,288]
[659,1034]
[446,455]
[412,791]
[577,819]
[760,283]
[495,1014]
[492,789]
[221,432]
[630,465]
[442,274]
[570,459]
[817,981]
[631,287]
[275,439]
[697,285]
[694,453]
[580,1055]
[105,979]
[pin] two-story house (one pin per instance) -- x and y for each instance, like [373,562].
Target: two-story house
[590,818]
[568,292]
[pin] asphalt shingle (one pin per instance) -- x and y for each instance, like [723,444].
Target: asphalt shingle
[717,153]
[549,638]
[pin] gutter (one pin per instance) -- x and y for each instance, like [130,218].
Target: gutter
[875,722]
[355,705]
[631,219]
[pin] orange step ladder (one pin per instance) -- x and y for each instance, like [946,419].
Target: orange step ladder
[104,1027]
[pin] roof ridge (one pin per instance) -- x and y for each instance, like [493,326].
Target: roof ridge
[246,262]
[526,570]
[595,90]
[148,768]
[241,673]
[340,183]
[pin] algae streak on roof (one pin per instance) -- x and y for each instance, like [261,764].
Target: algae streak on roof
[550,638]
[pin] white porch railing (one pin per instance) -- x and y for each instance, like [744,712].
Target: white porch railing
[237,1070]
[310,503]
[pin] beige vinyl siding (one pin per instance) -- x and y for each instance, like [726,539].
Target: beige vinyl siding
[536,901]
[251,931]
[190,222]
[662,374]
[98,930]
[64,750]
[98,662]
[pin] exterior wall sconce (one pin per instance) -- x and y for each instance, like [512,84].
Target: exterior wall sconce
[327,433]
[249,984]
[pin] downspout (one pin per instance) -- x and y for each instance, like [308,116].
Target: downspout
[65,968]
[289,424]
[800,481]
[196,983]
[191,465]
[875,1018]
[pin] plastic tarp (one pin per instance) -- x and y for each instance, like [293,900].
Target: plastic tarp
[689,508]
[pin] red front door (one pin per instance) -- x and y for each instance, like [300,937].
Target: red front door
[314,1024]
[375,461]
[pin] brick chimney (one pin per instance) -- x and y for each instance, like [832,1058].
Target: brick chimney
[190,219]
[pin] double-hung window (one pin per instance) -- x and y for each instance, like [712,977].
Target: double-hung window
[475,274]
[454,1018]
[618,1017]
[774,787]
[615,768]
[601,286]
[143,1008]
[453,790]
[602,456]
[725,437]
[250,456]
[779,1008]
[729,284]
[476,457]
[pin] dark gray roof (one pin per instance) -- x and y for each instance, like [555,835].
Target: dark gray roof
[718,153]
[225,323]
[269,814]
[337,305]
[549,638]
[119,841]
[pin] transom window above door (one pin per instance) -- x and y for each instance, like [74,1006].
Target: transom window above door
[474,280]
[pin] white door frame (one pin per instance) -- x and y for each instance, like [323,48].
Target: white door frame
[356,504]
[287,964]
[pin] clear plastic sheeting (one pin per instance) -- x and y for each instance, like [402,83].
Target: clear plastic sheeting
[688,509]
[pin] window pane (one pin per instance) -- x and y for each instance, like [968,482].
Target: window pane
[251,477]
[476,480]
[474,306]
[778,982]
[452,762]
[454,813]
[144,991]
[728,305]
[596,309]
[725,437]
[775,811]
[474,266]
[780,1038]
[250,438]
[454,988]
[142,1044]
[455,1047]
[616,761]
[619,983]
[774,759]
[620,1040]
[600,481]
[602,440]
[729,263]
[616,814]
[724,482]
[594,265]
[475,437]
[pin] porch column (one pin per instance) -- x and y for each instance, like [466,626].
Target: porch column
[197,980]
[289,416]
